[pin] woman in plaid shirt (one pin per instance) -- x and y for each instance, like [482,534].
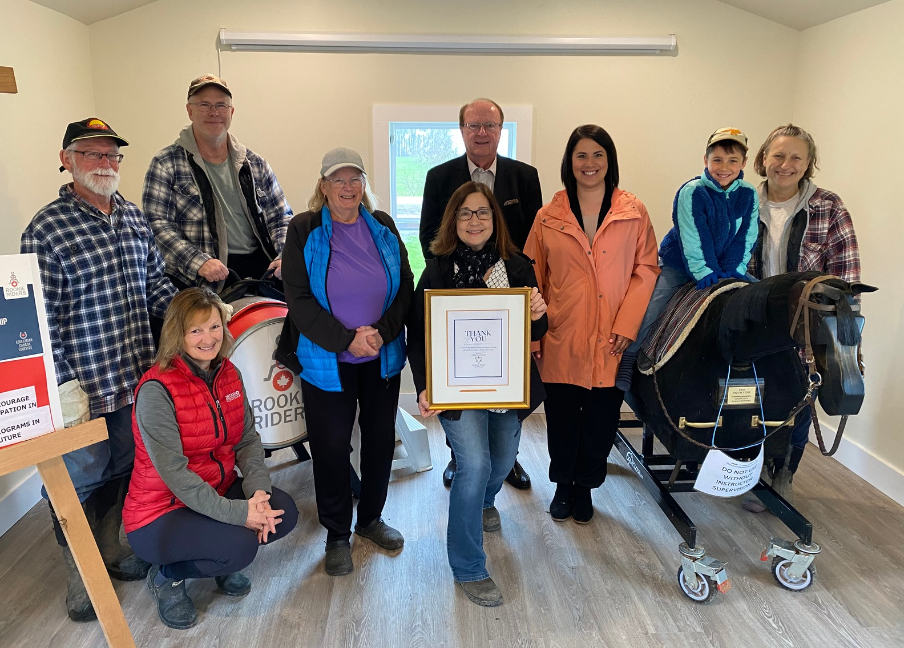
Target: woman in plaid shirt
[802,227]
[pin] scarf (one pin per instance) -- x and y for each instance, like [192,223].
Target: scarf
[472,266]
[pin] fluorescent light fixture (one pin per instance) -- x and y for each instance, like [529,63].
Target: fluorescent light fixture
[443,44]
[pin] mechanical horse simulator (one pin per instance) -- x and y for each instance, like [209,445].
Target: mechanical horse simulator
[722,371]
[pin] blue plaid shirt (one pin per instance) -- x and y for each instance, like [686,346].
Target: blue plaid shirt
[102,274]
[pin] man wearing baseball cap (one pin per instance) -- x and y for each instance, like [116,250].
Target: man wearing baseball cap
[716,221]
[214,205]
[102,276]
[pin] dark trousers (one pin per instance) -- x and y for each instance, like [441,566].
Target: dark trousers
[330,417]
[580,431]
[188,544]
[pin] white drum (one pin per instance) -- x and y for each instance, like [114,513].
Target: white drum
[272,390]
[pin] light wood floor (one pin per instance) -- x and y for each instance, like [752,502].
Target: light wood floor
[611,583]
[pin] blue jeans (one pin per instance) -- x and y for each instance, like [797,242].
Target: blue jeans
[485,445]
[93,466]
[667,284]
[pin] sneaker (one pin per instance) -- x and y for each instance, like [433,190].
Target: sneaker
[582,509]
[491,521]
[338,558]
[483,592]
[381,534]
[174,607]
[235,584]
[561,505]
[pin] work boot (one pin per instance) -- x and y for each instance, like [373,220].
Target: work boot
[106,524]
[78,603]
[483,592]
[174,607]
[121,562]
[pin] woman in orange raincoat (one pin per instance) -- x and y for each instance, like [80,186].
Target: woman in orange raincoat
[595,259]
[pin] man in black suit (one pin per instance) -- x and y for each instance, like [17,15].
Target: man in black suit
[515,184]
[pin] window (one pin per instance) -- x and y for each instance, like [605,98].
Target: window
[410,140]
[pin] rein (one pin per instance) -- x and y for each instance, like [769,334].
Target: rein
[813,383]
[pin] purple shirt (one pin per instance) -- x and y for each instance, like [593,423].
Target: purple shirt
[355,280]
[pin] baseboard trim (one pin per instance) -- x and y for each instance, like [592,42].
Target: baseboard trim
[863,463]
[19,501]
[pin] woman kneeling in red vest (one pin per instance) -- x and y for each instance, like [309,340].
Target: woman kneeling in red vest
[187,512]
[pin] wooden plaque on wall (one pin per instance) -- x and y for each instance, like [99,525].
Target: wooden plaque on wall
[7,80]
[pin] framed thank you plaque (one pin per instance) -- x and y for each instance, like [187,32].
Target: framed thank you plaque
[478,348]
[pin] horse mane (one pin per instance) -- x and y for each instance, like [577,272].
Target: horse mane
[749,306]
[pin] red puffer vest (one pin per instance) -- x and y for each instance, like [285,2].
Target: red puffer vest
[210,425]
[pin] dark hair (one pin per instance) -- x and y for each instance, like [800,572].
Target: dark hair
[727,145]
[601,137]
[446,239]
[461,111]
[788,130]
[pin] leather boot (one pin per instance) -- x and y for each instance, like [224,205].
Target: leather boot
[518,477]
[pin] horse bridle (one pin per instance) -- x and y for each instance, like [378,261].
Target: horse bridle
[814,378]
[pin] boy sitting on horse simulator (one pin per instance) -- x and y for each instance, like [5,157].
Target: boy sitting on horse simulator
[715,218]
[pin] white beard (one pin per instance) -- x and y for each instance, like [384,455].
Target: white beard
[104,182]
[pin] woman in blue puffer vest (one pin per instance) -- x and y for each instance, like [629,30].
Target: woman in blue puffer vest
[348,287]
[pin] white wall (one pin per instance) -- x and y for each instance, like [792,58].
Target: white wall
[50,55]
[849,95]
[292,107]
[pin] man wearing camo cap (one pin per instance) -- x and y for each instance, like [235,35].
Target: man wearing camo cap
[214,205]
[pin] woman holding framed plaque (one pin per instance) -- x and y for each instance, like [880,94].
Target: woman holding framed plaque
[473,250]
[596,263]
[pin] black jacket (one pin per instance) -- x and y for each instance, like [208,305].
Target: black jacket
[516,187]
[438,274]
[320,326]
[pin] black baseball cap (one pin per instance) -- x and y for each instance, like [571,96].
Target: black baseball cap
[88,129]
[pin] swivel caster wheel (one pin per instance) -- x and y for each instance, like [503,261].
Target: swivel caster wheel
[780,570]
[704,592]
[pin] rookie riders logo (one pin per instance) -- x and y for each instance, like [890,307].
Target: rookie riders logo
[14,288]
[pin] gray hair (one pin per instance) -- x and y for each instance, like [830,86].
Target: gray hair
[318,199]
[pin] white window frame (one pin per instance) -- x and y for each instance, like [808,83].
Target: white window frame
[383,114]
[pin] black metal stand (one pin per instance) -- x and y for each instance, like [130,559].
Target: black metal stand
[663,475]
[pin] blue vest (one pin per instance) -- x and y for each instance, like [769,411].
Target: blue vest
[319,366]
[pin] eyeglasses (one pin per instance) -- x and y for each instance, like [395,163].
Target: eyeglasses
[354,183]
[465,214]
[94,156]
[206,106]
[489,127]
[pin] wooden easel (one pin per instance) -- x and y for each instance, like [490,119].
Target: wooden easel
[46,452]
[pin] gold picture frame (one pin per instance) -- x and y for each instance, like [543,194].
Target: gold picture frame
[458,376]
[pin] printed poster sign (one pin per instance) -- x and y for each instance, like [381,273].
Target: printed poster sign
[29,400]
[478,349]
[722,476]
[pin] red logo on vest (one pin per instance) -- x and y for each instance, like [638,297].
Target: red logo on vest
[282,380]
